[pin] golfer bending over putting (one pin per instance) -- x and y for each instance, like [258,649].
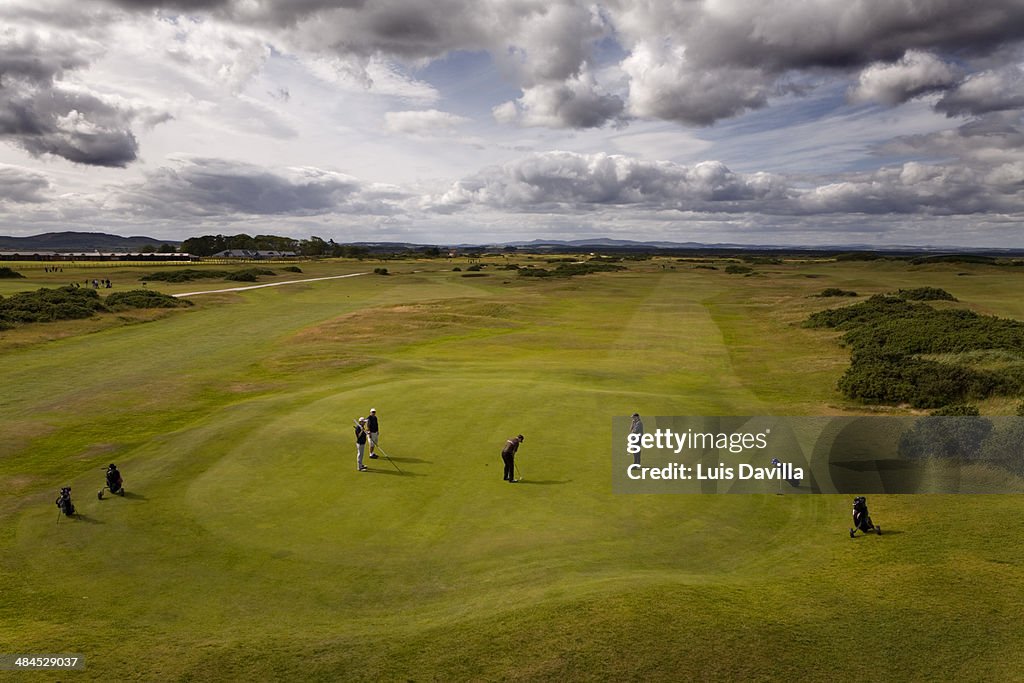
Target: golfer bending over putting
[508,455]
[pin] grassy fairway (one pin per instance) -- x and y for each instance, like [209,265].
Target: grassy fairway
[249,548]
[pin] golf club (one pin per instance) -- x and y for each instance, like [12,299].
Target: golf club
[519,475]
[380,450]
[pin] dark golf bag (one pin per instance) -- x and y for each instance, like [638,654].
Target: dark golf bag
[861,519]
[114,482]
[64,502]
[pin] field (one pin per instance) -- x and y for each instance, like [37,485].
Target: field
[248,547]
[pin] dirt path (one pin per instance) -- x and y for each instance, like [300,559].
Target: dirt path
[269,284]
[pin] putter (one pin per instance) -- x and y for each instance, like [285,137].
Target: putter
[380,450]
[519,475]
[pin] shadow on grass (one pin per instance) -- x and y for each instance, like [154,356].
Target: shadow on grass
[79,517]
[544,482]
[134,496]
[403,473]
[885,532]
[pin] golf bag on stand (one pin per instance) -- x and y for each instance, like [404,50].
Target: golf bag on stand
[861,519]
[114,482]
[63,502]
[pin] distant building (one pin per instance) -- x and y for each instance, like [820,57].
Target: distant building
[64,256]
[254,254]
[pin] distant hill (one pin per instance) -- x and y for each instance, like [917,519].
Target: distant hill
[80,241]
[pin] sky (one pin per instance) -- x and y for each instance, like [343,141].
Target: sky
[789,122]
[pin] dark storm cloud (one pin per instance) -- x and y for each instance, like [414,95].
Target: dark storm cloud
[18,185]
[214,187]
[780,34]
[42,117]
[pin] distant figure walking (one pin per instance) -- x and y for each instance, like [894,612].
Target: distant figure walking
[508,456]
[373,429]
[361,444]
[636,427]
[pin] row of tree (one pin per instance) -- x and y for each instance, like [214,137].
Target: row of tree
[208,245]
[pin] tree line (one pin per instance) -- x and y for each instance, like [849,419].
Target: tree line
[208,245]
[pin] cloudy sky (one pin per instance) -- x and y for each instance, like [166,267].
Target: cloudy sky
[445,121]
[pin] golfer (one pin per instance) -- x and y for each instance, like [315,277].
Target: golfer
[373,430]
[360,443]
[636,427]
[508,455]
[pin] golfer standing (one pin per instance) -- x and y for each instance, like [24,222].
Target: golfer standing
[360,443]
[636,427]
[508,456]
[373,430]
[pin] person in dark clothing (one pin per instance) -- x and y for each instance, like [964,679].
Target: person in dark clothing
[115,482]
[361,444]
[508,456]
[373,430]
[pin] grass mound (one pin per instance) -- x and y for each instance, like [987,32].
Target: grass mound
[925,294]
[249,274]
[145,298]
[184,275]
[835,291]
[190,274]
[570,270]
[9,273]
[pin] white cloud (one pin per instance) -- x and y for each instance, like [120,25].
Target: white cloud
[915,74]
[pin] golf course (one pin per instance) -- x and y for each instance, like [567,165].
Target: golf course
[248,547]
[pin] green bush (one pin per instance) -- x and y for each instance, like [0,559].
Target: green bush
[8,273]
[734,269]
[925,294]
[144,298]
[957,410]
[48,305]
[889,335]
[380,271]
[249,274]
[184,275]
[835,291]
[292,269]
[954,258]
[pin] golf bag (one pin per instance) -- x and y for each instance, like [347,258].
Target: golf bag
[861,519]
[64,502]
[114,482]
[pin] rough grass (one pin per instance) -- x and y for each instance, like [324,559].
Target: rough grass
[249,548]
